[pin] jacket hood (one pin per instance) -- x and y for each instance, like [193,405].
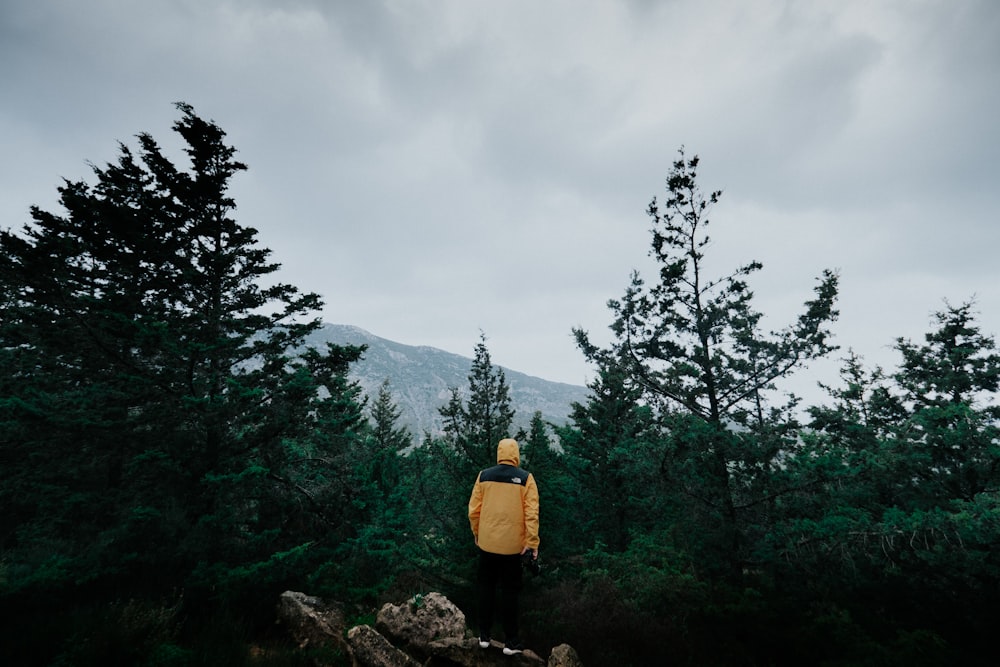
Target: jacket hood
[508,452]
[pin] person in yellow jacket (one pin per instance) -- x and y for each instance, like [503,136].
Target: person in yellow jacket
[503,513]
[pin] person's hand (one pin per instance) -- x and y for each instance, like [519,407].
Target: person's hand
[529,560]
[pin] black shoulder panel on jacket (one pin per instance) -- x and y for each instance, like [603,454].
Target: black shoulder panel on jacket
[505,474]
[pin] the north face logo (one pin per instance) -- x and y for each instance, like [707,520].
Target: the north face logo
[515,480]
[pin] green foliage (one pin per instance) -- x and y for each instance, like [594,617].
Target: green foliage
[438,547]
[370,558]
[653,575]
[859,533]
[131,632]
[163,428]
[473,427]
[608,460]
[694,340]
[690,350]
[164,425]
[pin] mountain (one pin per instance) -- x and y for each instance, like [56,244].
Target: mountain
[421,379]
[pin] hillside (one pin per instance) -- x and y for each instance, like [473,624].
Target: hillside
[421,379]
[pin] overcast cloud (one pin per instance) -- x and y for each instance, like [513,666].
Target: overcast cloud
[439,168]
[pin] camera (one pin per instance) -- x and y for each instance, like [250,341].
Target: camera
[529,560]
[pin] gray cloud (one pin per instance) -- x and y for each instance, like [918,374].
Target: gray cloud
[437,169]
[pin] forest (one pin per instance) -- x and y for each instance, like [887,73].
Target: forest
[173,457]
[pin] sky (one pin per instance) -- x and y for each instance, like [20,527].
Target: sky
[438,170]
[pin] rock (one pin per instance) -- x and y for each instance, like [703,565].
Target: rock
[421,620]
[311,622]
[564,656]
[371,649]
[425,631]
[466,653]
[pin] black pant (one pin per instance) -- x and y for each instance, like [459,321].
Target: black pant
[503,571]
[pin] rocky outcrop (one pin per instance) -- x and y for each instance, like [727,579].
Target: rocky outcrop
[312,622]
[421,620]
[564,656]
[371,649]
[426,630]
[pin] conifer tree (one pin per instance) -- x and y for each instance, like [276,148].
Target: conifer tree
[380,544]
[929,438]
[388,439]
[949,384]
[444,468]
[604,451]
[474,428]
[901,514]
[536,450]
[158,412]
[693,343]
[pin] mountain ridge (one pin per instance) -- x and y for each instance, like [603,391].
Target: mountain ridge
[421,378]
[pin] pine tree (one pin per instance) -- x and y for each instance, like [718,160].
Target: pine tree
[379,511]
[388,439]
[693,344]
[157,410]
[902,511]
[443,470]
[604,453]
[949,384]
[474,428]
[536,450]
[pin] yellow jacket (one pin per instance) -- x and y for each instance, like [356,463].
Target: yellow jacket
[503,509]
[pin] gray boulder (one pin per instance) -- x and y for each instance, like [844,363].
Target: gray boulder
[426,630]
[370,649]
[564,656]
[311,622]
[421,620]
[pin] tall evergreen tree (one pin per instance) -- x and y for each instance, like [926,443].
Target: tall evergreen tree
[378,508]
[902,516]
[536,450]
[388,440]
[444,468]
[605,450]
[474,428]
[924,436]
[950,383]
[694,344]
[151,388]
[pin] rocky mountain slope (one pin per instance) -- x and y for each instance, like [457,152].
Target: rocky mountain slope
[421,378]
